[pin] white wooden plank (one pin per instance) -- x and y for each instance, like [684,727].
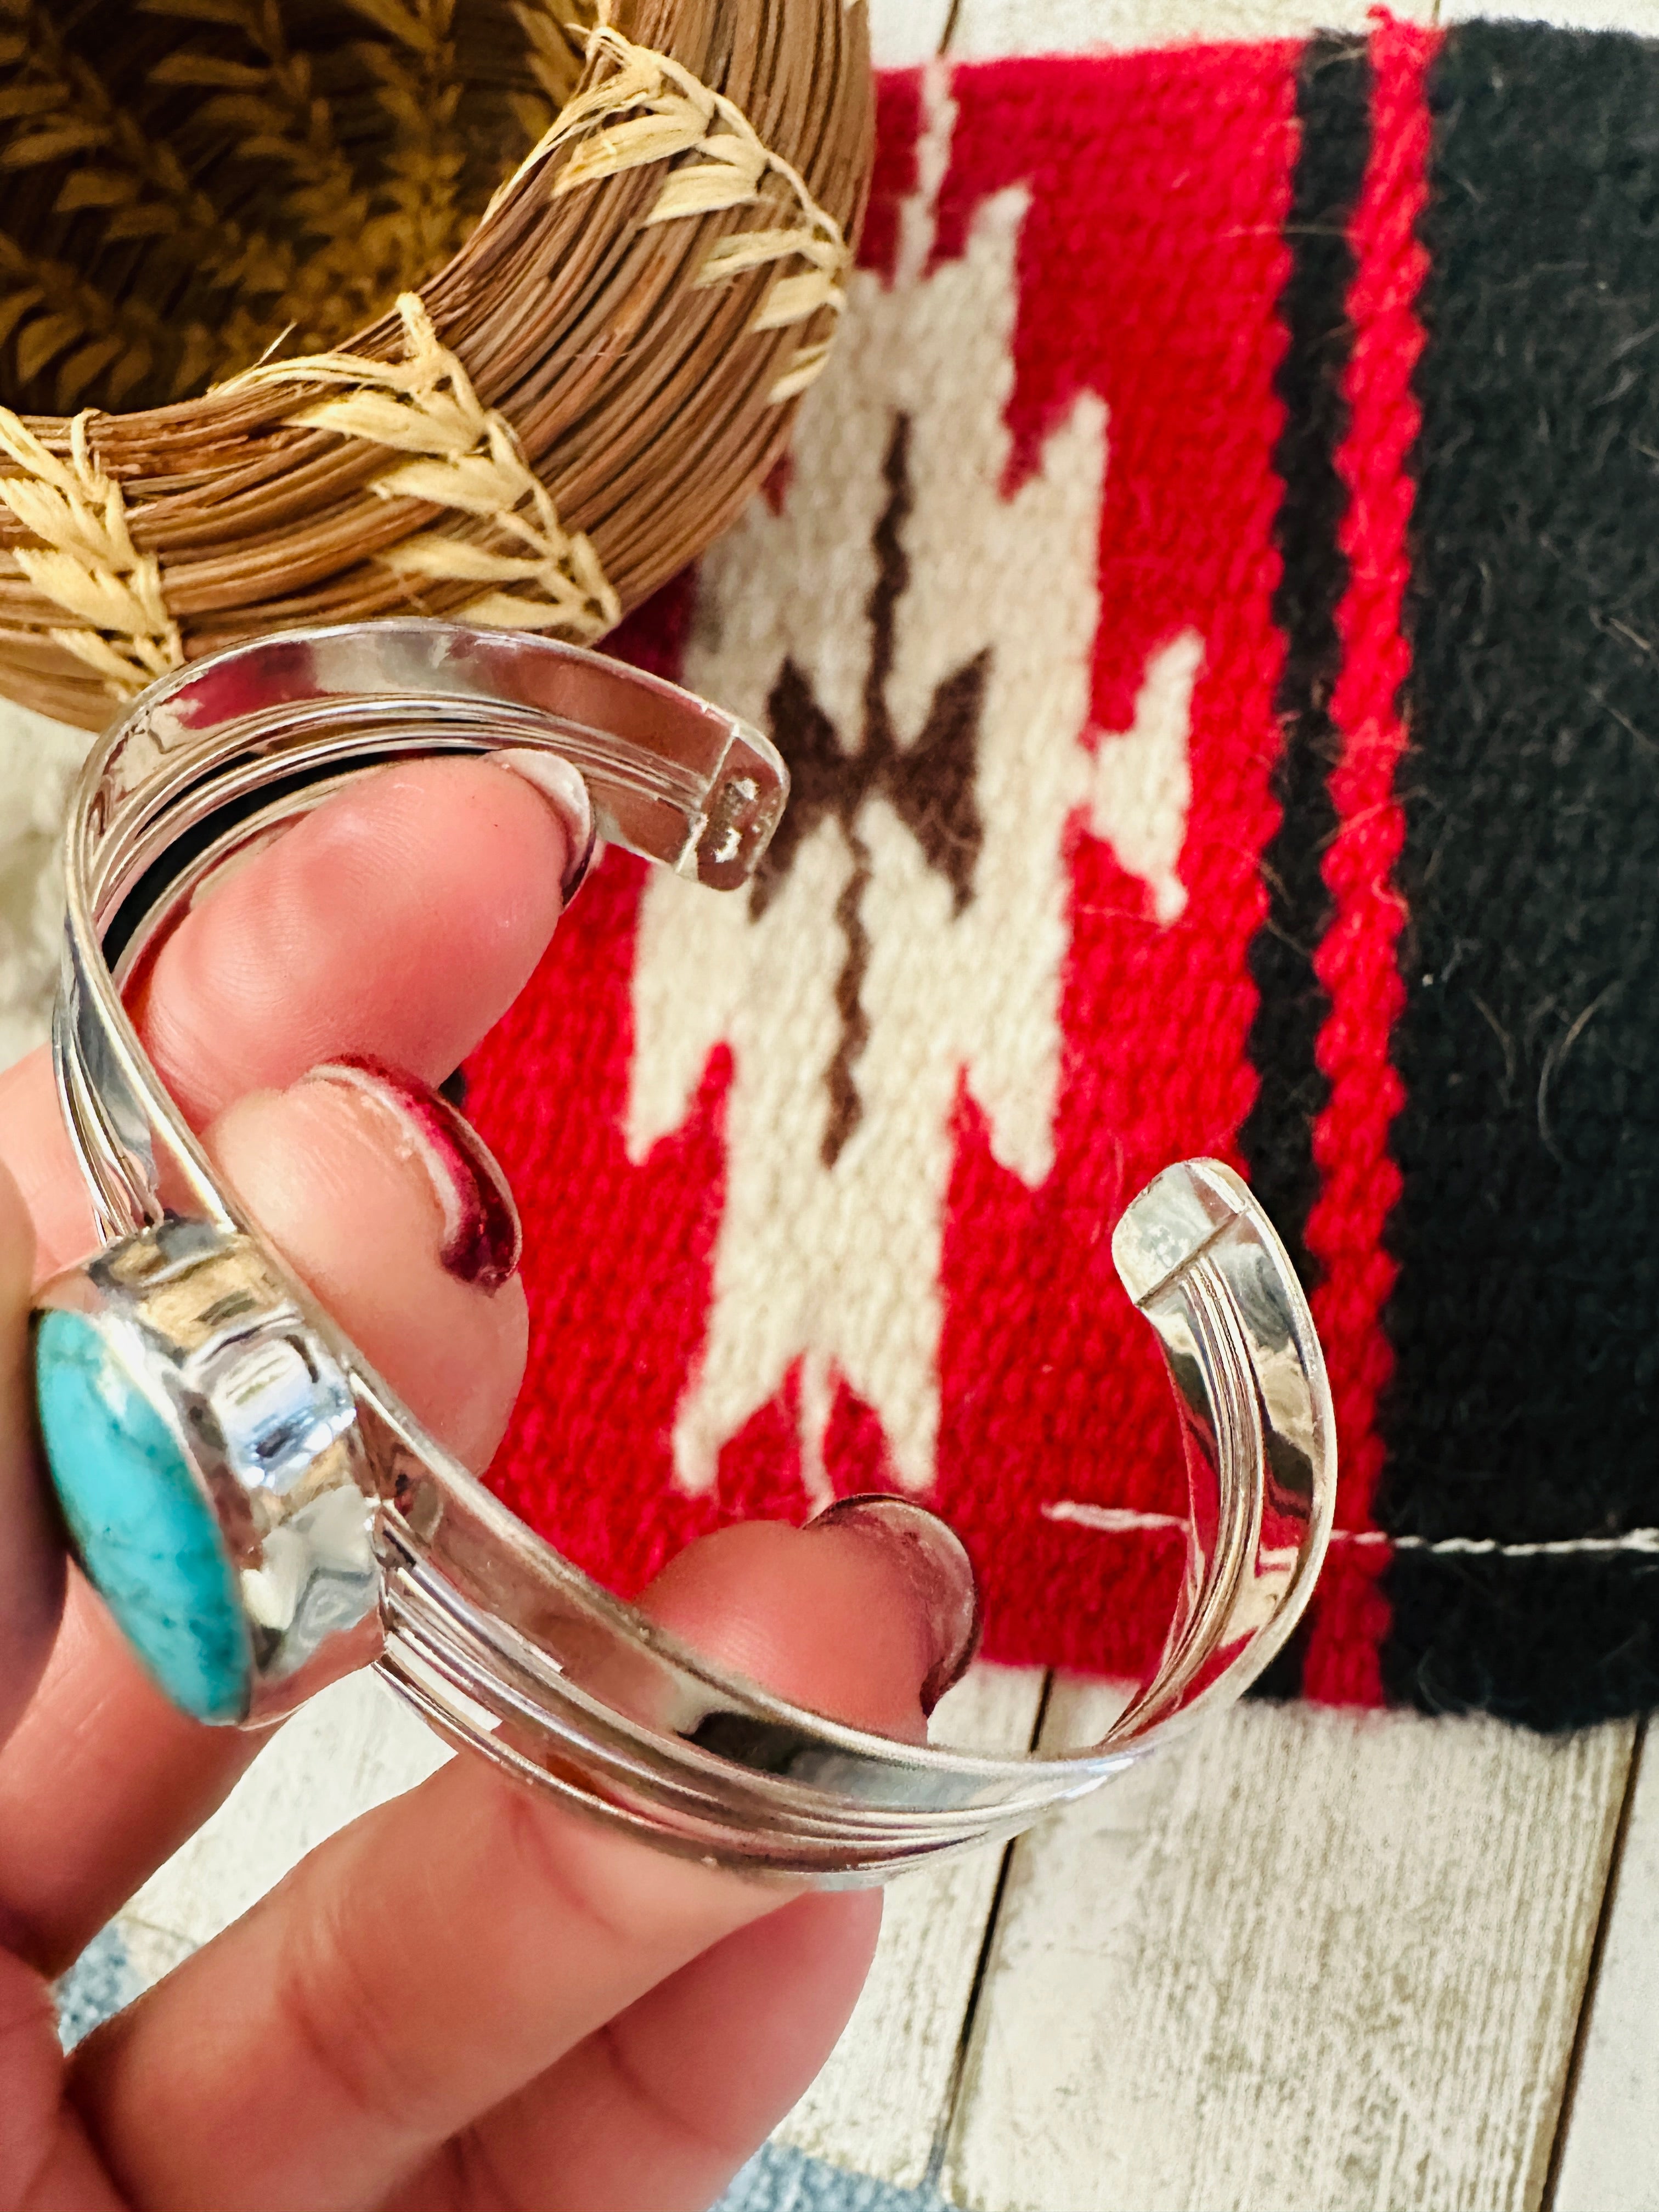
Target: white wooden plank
[1610,2154]
[881,2103]
[1315,1960]
[348,1750]
[984,27]
[905,32]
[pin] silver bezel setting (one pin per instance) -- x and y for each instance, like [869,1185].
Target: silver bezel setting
[263,1416]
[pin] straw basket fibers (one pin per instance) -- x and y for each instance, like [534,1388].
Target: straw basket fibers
[316,310]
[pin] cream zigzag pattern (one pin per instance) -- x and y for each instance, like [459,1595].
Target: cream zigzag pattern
[649,110]
[464,457]
[86,563]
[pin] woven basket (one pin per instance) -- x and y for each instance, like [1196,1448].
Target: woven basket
[351,371]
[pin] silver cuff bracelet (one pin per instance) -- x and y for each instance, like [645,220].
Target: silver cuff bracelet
[261,1512]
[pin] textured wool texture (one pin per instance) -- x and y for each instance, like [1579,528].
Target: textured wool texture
[1333,92]
[1207,614]
[1351,1271]
[1526,1387]
[1042,510]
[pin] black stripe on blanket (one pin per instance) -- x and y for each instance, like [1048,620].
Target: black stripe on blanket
[1525,1322]
[1332,115]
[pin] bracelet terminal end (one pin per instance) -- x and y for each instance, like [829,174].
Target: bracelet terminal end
[1173,1221]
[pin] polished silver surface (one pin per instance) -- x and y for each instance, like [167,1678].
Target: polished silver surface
[265,1416]
[501,1644]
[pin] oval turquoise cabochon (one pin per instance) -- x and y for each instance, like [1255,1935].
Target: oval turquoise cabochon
[141,1529]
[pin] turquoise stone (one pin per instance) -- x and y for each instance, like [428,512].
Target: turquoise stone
[141,1529]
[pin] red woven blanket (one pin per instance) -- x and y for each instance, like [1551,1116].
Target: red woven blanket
[1211,618]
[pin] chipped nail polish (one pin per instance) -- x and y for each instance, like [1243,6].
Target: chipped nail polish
[481,1236]
[936,1561]
[561,786]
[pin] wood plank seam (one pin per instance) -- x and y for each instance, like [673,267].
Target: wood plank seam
[876,2107]
[1320,1961]
[1592,1972]
[988,1937]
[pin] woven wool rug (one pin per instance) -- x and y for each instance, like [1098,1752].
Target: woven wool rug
[1211,616]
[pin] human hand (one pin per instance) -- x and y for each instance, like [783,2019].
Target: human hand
[470,1998]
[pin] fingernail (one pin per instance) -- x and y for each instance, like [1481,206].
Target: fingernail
[936,1561]
[562,787]
[481,1236]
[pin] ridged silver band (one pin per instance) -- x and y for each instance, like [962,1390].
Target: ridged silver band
[497,1640]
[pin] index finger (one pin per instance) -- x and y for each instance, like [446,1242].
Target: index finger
[351,930]
[400,921]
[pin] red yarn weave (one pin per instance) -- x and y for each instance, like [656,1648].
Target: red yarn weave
[1356,962]
[1150,262]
